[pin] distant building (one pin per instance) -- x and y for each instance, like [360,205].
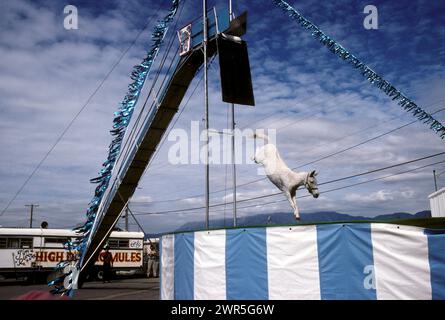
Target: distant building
[437,203]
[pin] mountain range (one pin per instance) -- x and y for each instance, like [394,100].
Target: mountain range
[286,218]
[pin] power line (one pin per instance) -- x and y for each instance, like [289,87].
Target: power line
[355,184]
[346,149]
[118,176]
[372,171]
[440,173]
[135,131]
[250,182]
[177,118]
[133,134]
[351,185]
[305,196]
[324,183]
[388,167]
[269,115]
[159,90]
[311,162]
[306,115]
[77,114]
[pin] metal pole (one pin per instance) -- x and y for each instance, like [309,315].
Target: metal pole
[233,142]
[139,225]
[126,218]
[206,102]
[435,181]
[30,219]
[233,166]
[32,211]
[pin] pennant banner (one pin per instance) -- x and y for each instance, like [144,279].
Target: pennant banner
[367,72]
[68,271]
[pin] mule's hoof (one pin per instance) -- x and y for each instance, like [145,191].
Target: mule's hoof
[297,218]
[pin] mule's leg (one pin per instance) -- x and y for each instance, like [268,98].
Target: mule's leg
[289,198]
[295,206]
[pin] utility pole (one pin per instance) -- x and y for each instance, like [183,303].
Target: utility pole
[126,218]
[32,211]
[233,142]
[206,103]
[435,181]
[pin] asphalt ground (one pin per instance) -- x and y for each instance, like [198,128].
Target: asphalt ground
[118,289]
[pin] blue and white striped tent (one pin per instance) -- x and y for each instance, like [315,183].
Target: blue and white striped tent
[325,261]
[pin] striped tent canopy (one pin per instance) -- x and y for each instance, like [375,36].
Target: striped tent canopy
[324,261]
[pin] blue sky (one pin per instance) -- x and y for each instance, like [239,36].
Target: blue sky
[316,102]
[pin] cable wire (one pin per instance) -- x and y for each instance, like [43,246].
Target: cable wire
[324,183]
[77,114]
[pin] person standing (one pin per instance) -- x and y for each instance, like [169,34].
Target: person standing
[156,262]
[108,264]
[151,260]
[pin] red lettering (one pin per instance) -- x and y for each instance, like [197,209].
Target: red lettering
[138,257]
[51,256]
[40,256]
[121,257]
[59,256]
[133,256]
[127,258]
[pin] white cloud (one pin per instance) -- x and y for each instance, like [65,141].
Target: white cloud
[139,199]
[381,195]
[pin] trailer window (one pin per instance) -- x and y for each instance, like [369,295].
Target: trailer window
[118,243]
[16,243]
[56,240]
[3,242]
[13,243]
[25,242]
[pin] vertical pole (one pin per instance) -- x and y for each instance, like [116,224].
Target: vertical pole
[30,219]
[435,181]
[206,103]
[32,212]
[233,142]
[126,218]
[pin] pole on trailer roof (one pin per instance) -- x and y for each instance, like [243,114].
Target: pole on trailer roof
[206,104]
[31,213]
[435,180]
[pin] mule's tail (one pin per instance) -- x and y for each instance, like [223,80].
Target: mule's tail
[261,136]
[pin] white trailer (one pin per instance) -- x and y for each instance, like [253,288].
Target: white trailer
[35,251]
[437,203]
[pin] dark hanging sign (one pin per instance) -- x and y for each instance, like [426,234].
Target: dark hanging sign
[236,81]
